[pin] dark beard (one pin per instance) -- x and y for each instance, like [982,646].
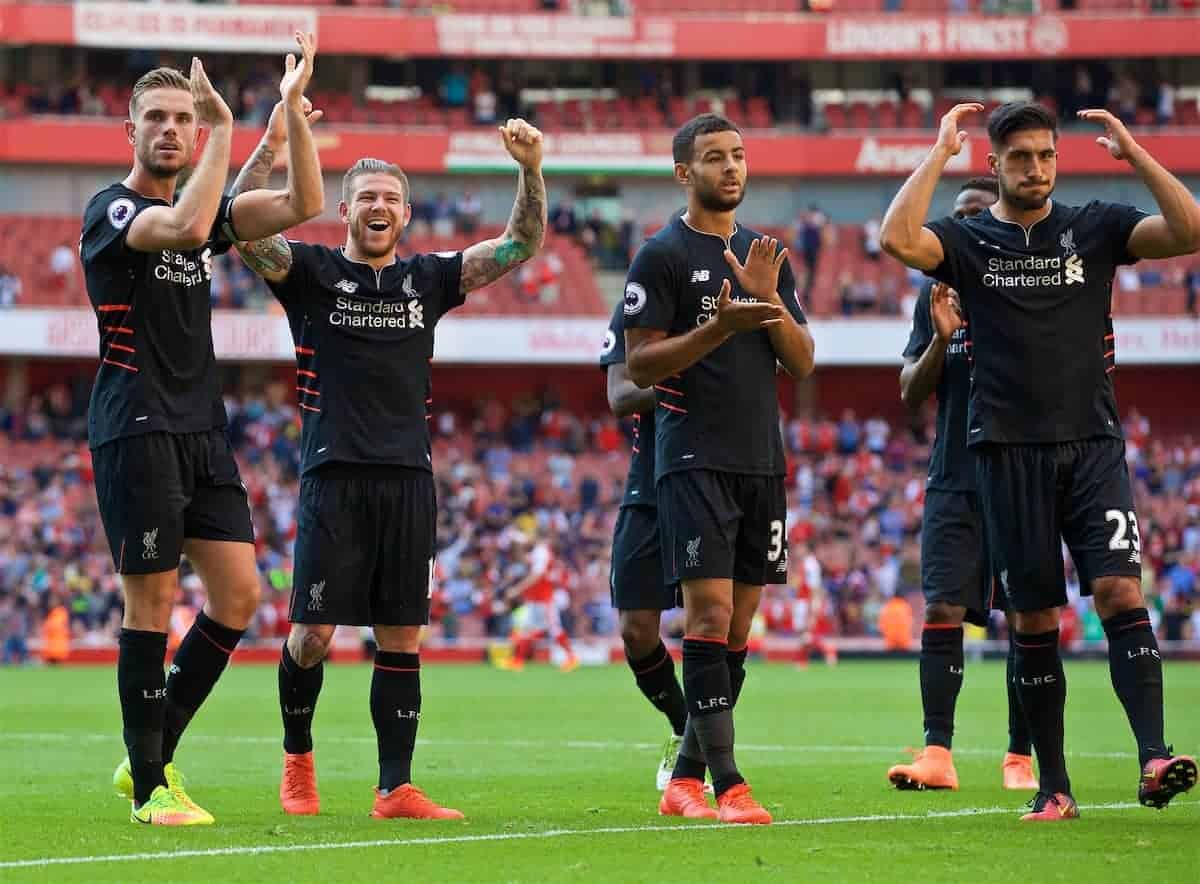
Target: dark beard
[1024,203]
[713,201]
[157,170]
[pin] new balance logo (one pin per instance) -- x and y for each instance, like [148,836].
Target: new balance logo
[1073,270]
[347,286]
[150,544]
[700,276]
[693,553]
[316,592]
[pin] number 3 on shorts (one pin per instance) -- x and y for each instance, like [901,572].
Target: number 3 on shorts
[1119,541]
[776,548]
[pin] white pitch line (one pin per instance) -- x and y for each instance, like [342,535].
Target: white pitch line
[599,745]
[258,850]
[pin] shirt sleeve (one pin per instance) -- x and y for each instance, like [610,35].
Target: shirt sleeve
[290,290]
[789,294]
[1119,221]
[613,351]
[106,221]
[921,335]
[222,236]
[950,232]
[445,269]
[650,292]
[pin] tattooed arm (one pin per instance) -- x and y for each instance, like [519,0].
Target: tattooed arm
[263,214]
[270,258]
[487,261]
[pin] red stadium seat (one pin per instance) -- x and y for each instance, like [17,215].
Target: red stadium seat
[861,116]
[912,115]
[887,115]
[835,116]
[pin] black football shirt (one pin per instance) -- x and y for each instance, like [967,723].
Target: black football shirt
[951,467]
[722,413]
[639,485]
[1039,306]
[157,369]
[364,344]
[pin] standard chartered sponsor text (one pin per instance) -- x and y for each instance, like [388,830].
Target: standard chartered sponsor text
[353,313]
[1022,272]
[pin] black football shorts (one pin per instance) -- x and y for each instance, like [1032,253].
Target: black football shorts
[955,566]
[717,524]
[636,578]
[365,542]
[156,489]
[1036,497]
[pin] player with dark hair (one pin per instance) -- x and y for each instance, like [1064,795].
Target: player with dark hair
[363,323]
[166,479]
[710,311]
[956,575]
[640,592]
[1035,282]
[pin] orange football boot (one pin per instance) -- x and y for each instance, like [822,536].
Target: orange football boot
[685,797]
[931,768]
[1018,772]
[298,785]
[409,802]
[1054,808]
[737,805]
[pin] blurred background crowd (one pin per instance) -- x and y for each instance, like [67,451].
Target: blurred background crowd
[510,476]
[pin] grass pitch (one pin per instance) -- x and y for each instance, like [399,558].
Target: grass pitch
[555,774]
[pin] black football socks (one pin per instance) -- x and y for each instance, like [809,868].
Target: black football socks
[198,663]
[396,711]
[707,687]
[1136,669]
[298,692]
[655,676]
[143,692]
[1018,729]
[736,661]
[1042,687]
[941,679]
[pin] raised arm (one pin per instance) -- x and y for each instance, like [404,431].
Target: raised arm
[487,261]
[624,396]
[188,223]
[919,377]
[903,234]
[259,213]
[652,356]
[1177,230]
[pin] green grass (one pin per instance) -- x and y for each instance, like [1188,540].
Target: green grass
[535,752]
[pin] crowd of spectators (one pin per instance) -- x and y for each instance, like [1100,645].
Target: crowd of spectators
[512,474]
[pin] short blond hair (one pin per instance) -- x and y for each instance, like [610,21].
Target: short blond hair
[371,166]
[159,78]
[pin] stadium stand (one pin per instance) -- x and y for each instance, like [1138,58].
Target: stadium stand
[855,492]
[562,281]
